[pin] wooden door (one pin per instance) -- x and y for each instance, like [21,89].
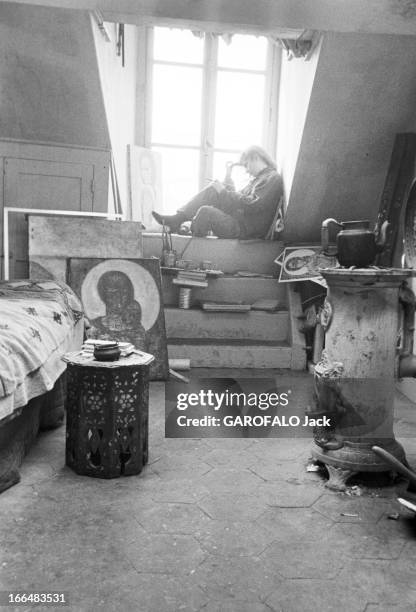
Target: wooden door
[42,184]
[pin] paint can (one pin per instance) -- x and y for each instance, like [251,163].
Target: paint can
[169,259]
[185,297]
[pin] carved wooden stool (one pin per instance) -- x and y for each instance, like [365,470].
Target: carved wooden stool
[107,416]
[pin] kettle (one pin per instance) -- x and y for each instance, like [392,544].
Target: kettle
[356,244]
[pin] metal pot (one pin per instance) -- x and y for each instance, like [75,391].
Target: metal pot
[356,244]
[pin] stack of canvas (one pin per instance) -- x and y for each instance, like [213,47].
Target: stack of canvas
[225,307]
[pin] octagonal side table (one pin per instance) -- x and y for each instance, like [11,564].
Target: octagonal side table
[107,411]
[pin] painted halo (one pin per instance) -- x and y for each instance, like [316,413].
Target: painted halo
[309,253]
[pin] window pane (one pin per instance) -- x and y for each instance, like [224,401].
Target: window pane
[246,52]
[176,108]
[180,168]
[177,46]
[239,110]
[239,174]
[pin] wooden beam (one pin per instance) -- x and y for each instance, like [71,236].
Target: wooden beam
[218,27]
[376,16]
[297,339]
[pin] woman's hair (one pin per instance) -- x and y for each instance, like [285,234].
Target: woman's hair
[256,151]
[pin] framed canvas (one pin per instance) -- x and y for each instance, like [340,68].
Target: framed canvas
[299,263]
[55,239]
[145,181]
[18,212]
[122,300]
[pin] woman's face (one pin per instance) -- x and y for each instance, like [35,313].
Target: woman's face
[252,165]
[116,299]
[116,293]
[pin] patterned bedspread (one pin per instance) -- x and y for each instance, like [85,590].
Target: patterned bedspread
[39,322]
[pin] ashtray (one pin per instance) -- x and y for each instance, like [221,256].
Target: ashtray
[107,352]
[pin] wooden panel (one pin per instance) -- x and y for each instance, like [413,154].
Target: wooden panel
[44,184]
[227,255]
[30,183]
[54,239]
[24,149]
[298,357]
[122,300]
[399,178]
[235,355]
[48,268]
[48,175]
[97,159]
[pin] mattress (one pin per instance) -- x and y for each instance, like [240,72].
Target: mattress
[39,322]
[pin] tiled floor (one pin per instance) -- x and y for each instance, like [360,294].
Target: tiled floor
[213,525]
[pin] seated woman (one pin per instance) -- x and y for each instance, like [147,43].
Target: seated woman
[227,213]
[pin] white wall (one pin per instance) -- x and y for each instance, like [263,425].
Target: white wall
[118,86]
[296,80]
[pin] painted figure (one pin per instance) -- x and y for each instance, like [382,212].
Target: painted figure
[123,318]
[295,264]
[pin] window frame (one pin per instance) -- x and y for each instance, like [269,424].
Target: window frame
[210,71]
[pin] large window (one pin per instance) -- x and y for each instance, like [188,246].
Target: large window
[208,97]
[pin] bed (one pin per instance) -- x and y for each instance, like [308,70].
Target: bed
[39,322]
